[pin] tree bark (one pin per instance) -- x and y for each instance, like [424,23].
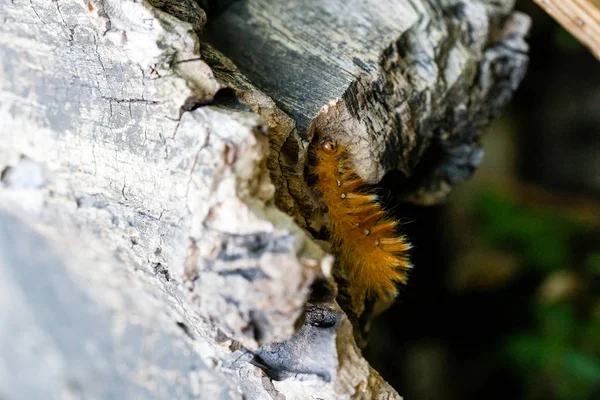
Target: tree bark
[155,213]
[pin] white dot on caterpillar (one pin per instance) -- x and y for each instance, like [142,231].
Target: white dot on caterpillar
[377,242]
[339,183]
[343,195]
[367,232]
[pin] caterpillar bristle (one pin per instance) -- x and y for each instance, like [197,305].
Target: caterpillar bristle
[384,227]
[393,242]
[364,237]
[365,210]
[372,217]
[350,176]
[353,185]
[395,245]
[361,198]
[360,206]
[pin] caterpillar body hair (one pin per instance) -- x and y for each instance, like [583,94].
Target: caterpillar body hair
[363,235]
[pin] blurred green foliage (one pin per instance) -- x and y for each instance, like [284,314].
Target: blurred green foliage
[558,354]
[541,239]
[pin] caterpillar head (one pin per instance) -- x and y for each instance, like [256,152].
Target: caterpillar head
[328,146]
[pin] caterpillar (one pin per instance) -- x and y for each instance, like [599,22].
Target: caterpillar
[363,235]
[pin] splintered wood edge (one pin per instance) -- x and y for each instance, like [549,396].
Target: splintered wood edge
[580,17]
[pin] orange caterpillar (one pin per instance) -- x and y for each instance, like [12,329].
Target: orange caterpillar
[373,255]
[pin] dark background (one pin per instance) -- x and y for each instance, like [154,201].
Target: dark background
[504,300]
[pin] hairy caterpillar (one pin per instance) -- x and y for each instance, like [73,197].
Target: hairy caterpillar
[363,235]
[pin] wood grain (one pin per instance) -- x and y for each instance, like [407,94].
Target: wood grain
[406,86]
[580,17]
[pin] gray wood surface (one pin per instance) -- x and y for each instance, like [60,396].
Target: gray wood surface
[77,327]
[152,191]
[406,86]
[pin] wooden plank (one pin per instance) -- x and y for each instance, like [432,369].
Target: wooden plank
[580,17]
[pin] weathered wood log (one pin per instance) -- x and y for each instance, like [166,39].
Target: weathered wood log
[407,87]
[133,139]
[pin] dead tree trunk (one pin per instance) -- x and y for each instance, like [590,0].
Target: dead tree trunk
[155,221]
